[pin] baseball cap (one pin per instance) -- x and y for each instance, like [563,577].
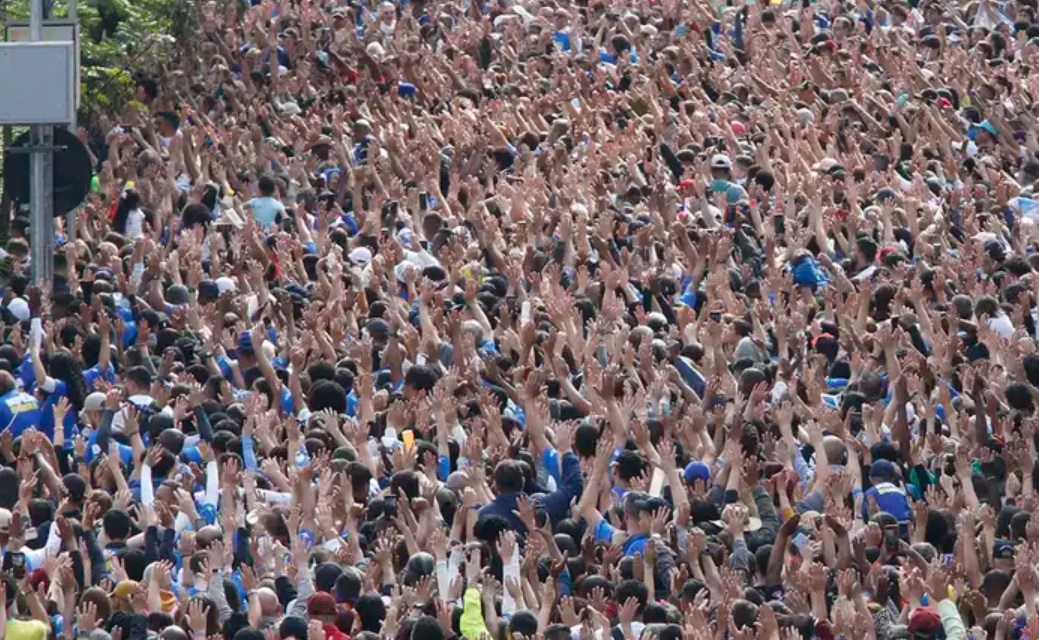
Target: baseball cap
[696,470]
[94,402]
[39,577]
[223,283]
[924,620]
[721,161]
[124,589]
[19,308]
[178,294]
[361,256]
[883,470]
[995,250]
[321,604]
[245,342]
[208,290]
[985,126]
[1003,550]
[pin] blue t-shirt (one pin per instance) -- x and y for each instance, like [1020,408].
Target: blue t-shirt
[890,498]
[733,192]
[61,390]
[95,373]
[93,450]
[26,374]
[18,412]
[265,210]
[605,531]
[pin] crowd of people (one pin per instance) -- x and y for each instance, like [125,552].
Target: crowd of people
[541,320]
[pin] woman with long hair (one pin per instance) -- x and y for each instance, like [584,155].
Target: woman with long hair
[63,380]
[129,217]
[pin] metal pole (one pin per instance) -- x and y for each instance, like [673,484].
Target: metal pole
[70,217]
[42,172]
[35,20]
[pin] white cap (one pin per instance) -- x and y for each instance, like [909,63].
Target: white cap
[400,270]
[720,161]
[223,283]
[94,402]
[19,308]
[375,50]
[407,238]
[360,256]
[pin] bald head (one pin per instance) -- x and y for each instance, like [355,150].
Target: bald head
[207,535]
[173,633]
[834,448]
[269,605]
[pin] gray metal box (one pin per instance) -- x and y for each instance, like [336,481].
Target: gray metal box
[35,83]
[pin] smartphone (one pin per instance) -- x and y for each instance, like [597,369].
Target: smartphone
[423,201]
[891,538]
[389,506]
[881,162]
[409,439]
[800,540]
[779,221]
[14,564]
[715,316]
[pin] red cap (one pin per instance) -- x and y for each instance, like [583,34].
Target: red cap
[38,577]
[924,620]
[322,604]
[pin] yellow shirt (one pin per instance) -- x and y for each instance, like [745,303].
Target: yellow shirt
[26,630]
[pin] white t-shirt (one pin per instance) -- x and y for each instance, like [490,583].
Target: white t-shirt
[1001,326]
[134,224]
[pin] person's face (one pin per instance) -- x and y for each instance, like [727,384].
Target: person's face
[94,418]
[165,494]
[643,523]
[165,130]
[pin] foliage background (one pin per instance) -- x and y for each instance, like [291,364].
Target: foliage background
[118,38]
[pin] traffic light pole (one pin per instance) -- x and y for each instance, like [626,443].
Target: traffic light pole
[42,178]
[70,217]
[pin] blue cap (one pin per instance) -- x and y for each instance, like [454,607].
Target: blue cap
[807,273]
[883,470]
[245,342]
[985,126]
[696,470]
